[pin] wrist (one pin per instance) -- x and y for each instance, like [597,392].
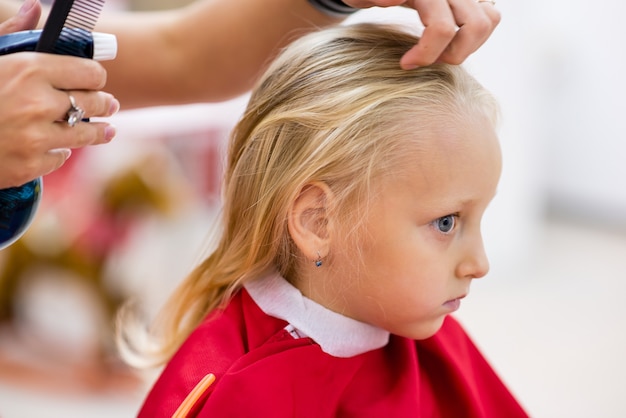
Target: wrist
[333,8]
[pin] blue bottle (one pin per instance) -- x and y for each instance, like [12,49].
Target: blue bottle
[18,206]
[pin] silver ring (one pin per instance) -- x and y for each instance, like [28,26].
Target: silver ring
[75,114]
[493,3]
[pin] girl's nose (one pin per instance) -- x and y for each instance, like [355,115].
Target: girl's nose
[474,263]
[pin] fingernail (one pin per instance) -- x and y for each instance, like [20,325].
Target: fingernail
[115,107]
[109,133]
[26,7]
[67,153]
[407,65]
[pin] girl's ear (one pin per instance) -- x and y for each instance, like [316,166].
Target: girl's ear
[308,220]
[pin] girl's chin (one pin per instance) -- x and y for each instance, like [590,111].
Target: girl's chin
[424,330]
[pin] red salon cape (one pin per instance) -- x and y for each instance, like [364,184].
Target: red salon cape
[262,371]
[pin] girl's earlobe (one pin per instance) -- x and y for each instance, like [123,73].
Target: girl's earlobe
[318,260]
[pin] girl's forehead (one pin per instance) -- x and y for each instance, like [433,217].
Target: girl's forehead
[457,138]
[460,153]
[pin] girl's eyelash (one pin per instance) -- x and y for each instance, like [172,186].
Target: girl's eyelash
[455,215]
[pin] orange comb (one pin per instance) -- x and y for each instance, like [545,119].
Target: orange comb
[193,396]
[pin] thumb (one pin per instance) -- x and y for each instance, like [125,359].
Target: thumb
[26,18]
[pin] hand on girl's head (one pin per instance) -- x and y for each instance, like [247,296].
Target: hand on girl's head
[452,29]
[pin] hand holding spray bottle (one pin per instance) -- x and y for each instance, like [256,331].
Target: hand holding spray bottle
[67,32]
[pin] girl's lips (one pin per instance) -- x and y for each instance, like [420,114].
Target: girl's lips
[453,305]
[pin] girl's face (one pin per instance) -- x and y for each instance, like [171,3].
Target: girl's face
[420,246]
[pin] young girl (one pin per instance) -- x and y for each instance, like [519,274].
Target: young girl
[353,199]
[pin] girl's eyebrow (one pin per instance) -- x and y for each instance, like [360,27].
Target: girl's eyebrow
[445,205]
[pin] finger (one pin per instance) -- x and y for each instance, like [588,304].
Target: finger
[22,170]
[81,135]
[489,6]
[439,30]
[25,19]
[53,160]
[476,21]
[59,140]
[71,73]
[94,104]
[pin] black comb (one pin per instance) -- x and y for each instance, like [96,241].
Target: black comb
[68,25]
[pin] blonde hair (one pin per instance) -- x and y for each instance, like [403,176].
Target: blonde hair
[335,107]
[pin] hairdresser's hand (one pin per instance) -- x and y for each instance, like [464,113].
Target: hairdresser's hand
[441,41]
[34,137]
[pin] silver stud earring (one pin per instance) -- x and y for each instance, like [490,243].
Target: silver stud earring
[318,262]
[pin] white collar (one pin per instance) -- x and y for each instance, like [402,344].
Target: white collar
[336,334]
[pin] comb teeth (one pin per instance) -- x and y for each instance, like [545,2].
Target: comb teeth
[64,15]
[84,14]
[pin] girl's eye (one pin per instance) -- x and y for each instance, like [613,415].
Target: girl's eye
[445,224]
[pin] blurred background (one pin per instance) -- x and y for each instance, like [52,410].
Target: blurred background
[129,219]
